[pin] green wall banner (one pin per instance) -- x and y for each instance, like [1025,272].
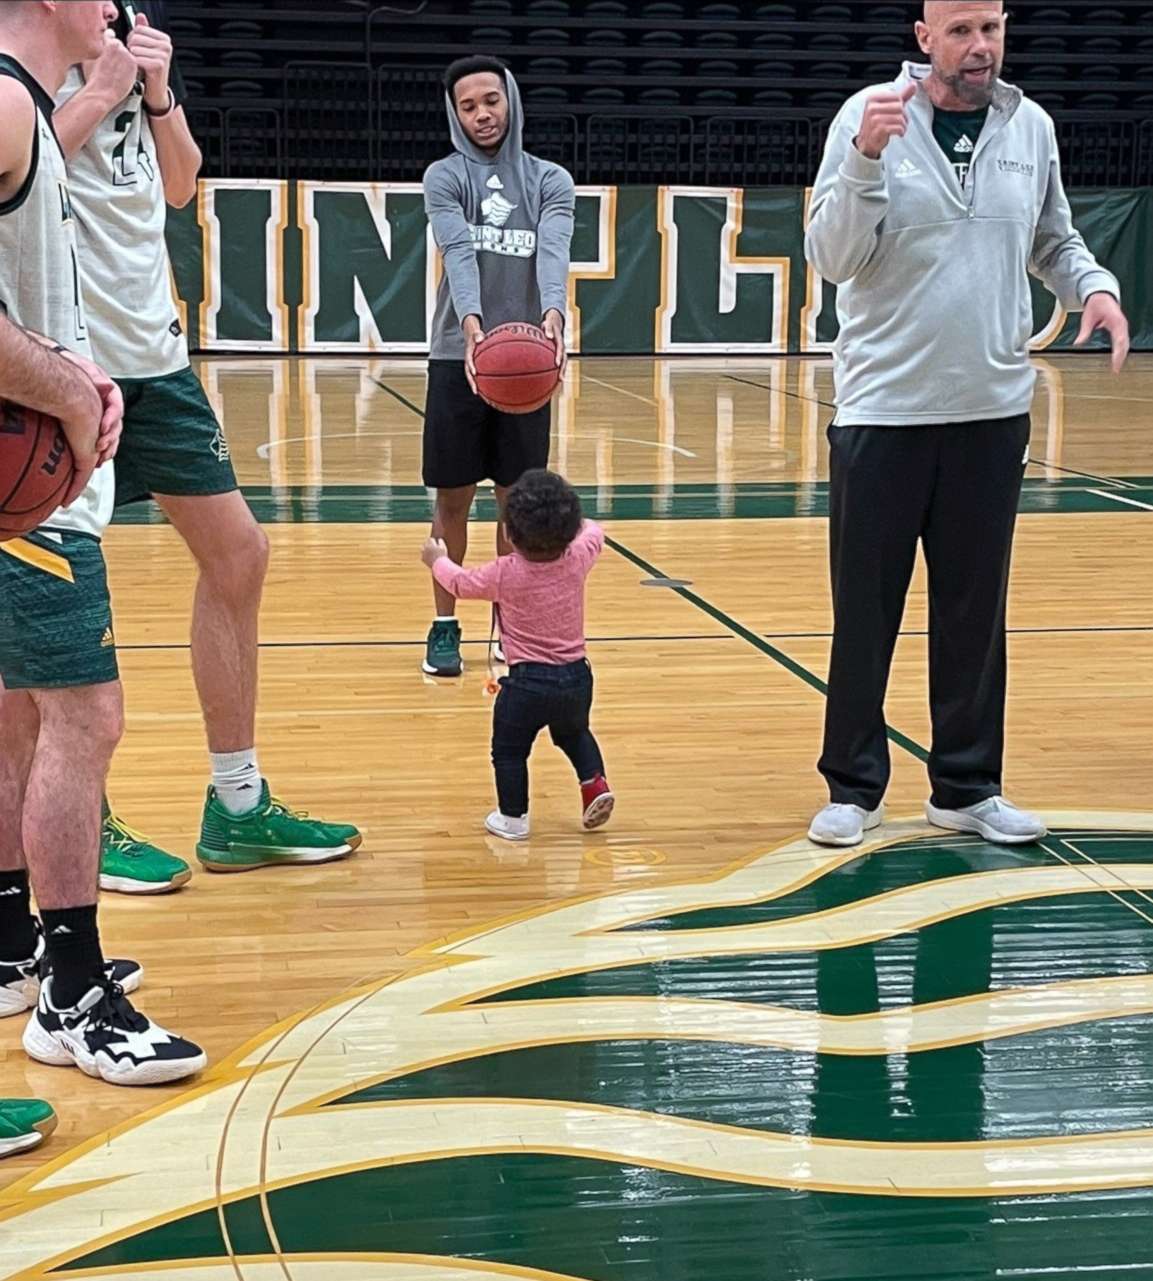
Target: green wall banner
[279,266]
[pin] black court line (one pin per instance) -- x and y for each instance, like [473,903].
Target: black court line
[623,640]
[404,400]
[1012,631]
[796,395]
[758,642]
[1115,481]
[809,400]
[419,644]
[802,673]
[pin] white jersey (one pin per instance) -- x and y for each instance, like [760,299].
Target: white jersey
[40,286]
[118,199]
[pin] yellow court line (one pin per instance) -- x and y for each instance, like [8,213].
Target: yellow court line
[812,1033]
[477,939]
[423,1262]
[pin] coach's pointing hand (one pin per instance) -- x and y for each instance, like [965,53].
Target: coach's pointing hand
[1103,311]
[885,118]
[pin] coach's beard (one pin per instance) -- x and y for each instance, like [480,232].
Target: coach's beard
[976,92]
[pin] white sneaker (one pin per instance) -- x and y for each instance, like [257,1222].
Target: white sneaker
[508,829]
[105,1037]
[996,819]
[844,824]
[20,980]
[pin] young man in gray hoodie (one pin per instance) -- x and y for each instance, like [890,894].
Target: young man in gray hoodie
[937,196]
[503,221]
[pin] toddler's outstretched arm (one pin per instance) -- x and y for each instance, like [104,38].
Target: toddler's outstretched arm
[482,583]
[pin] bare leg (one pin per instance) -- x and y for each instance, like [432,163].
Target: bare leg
[81,1018]
[231,551]
[19,727]
[79,731]
[450,522]
[503,546]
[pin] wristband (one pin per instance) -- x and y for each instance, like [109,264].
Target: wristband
[153,114]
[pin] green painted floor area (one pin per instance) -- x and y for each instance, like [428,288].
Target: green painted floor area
[397,504]
[608,1222]
[567,1214]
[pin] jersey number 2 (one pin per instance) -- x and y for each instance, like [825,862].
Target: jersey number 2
[124,169]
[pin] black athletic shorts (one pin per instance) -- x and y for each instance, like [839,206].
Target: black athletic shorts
[467,441]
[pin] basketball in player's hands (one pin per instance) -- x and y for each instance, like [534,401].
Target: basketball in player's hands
[36,469]
[516,369]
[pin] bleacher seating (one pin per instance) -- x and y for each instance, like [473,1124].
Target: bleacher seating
[733,91]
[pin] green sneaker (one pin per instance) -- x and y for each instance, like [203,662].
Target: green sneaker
[442,650]
[24,1124]
[270,836]
[131,864]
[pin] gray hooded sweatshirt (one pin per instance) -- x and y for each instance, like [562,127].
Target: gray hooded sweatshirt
[934,300]
[504,224]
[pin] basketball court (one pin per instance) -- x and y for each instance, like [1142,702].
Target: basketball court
[691,1045]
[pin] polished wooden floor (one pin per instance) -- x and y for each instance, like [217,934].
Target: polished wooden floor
[707,703]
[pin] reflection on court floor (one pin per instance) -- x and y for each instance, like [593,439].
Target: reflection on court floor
[691,1045]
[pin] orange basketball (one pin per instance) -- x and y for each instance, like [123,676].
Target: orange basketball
[516,370]
[36,468]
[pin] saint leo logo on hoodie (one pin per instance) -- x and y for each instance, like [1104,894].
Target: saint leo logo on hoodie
[493,237]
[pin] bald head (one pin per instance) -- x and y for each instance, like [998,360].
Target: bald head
[938,11]
[965,41]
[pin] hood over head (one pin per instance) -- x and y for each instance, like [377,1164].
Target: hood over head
[511,150]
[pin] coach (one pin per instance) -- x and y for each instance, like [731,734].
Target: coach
[937,196]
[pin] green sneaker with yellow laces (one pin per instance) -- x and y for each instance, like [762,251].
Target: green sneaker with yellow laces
[131,864]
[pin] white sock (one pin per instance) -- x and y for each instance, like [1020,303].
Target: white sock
[237,780]
[446,618]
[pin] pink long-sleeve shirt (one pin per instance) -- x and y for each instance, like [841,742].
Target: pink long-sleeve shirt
[541,603]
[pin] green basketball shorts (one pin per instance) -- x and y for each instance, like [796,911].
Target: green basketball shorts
[173,442]
[55,613]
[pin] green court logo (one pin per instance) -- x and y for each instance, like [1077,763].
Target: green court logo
[918,1057]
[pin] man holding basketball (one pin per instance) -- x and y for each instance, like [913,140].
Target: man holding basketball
[936,196]
[121,124]
[59,384]
[61,711]
[503,220]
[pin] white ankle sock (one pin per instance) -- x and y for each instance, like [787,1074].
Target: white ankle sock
[237,780]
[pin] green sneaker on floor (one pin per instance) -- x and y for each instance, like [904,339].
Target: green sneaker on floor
[131,864]
[24,1124]
[442,650]
[270,836]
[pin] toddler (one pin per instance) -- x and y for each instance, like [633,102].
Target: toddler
[538,592]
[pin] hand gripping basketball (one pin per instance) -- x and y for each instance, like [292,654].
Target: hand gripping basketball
[36,469]
[516,368]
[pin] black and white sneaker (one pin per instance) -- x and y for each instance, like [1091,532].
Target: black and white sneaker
[20,980]
[105,1037]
